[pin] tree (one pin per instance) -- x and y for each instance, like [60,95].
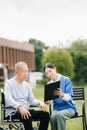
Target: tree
[61,59]
[39,49]
[78,50]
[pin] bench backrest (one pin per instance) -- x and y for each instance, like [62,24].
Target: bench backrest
[78,93]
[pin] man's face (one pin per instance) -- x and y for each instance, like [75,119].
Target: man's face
[22,73]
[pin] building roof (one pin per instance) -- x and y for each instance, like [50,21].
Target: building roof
[16,45]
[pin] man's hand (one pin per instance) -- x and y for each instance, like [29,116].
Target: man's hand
[24,112]
[48,102]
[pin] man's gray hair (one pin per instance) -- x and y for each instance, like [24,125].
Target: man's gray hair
[18,64]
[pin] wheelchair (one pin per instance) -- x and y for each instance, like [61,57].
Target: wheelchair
[12,124]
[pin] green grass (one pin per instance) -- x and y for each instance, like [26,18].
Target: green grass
[72,124]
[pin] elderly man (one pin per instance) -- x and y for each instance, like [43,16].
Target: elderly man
[18,94]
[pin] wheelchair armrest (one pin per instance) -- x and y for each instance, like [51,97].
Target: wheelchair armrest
[5,108]
[33,106]
[13,113]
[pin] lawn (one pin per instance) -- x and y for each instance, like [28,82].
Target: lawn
[72,123]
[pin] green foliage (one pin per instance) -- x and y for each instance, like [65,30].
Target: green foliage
[44,80]
[39,49]
[78,50]
[61,59]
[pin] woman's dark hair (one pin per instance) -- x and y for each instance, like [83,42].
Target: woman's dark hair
[48,65]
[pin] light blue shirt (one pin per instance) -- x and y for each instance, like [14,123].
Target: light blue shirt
[17,94]
[66,87]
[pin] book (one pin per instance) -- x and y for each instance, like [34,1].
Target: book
[49,90]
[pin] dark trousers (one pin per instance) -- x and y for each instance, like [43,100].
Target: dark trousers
[43,117]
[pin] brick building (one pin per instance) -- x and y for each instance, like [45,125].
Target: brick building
[13,51]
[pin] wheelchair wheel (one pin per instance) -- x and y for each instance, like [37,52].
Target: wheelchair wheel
[1,128]
[21,128]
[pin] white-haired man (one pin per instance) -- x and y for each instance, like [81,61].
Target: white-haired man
[18,94]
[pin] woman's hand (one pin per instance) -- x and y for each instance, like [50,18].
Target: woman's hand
[58,92]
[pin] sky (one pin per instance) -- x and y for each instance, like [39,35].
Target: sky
[54,22]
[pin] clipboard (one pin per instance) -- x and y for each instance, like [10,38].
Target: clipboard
[49,90]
